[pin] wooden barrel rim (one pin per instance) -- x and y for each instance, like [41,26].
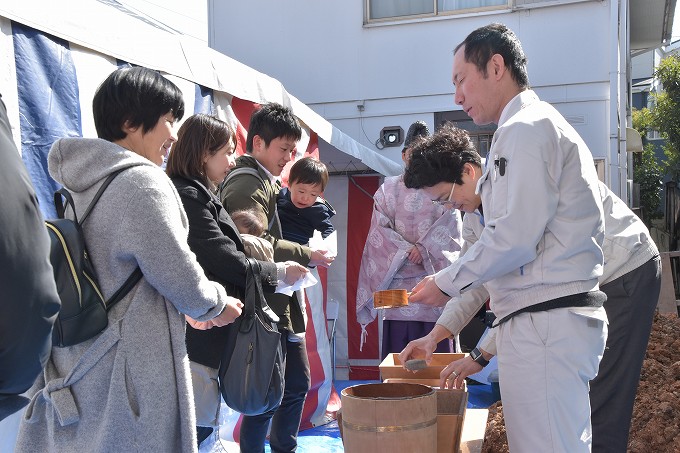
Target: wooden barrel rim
[425,391]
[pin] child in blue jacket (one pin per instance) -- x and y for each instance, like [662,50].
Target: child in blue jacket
[300,206]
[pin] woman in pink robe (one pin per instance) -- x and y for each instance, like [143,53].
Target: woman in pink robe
[410,237]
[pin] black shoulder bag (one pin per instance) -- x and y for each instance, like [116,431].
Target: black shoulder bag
[251,371]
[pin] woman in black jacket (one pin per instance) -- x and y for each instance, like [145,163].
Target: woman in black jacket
[198,162]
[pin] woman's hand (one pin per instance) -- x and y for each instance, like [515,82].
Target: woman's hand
[199,325]
[414,255]
[231,311]
[228,315]
[294,272]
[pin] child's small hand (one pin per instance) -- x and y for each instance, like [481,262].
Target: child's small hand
[294,272]
[319,258]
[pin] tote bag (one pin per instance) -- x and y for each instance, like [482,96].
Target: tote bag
[251,370]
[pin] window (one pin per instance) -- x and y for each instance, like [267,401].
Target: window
[482,143]
[653,135]
[457,5]
[385,9]
[479,135]
[392,9]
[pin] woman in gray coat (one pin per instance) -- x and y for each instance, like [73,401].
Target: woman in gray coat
[128,389]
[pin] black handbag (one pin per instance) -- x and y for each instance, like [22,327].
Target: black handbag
[251,371]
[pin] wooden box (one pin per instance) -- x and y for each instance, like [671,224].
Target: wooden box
[391,367]
[451,406]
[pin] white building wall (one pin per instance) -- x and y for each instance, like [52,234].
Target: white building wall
[401,71]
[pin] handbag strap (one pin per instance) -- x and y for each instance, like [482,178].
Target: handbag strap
[248,306]
[263,309]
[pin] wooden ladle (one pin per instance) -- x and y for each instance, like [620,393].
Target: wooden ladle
[390,298]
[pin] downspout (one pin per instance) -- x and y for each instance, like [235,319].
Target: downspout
[629,104]
[614,181]
[624,57]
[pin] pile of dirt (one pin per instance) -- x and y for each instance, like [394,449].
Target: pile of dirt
[656,414]
[495,439]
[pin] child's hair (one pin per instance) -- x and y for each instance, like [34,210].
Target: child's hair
[249,222]
[308,170]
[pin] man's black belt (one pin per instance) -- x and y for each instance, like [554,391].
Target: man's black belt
[588,299]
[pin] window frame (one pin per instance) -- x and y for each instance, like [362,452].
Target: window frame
[368,20]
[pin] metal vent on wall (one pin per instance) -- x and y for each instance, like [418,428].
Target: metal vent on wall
[576,119]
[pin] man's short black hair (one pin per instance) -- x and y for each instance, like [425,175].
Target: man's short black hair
[138,95]
[483,43]
[272,121]
[440,158]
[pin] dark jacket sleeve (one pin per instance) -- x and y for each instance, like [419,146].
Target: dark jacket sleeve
[215,250]
[324,224]
[29,302]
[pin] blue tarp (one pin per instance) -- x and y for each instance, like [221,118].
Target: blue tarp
[49,103]
[47,86]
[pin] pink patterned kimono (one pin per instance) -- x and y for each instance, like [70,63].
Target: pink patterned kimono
[402,218]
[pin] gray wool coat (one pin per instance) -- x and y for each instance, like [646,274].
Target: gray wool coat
[129,388]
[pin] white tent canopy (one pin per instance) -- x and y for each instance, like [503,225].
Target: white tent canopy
[48,86]
[107,27]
